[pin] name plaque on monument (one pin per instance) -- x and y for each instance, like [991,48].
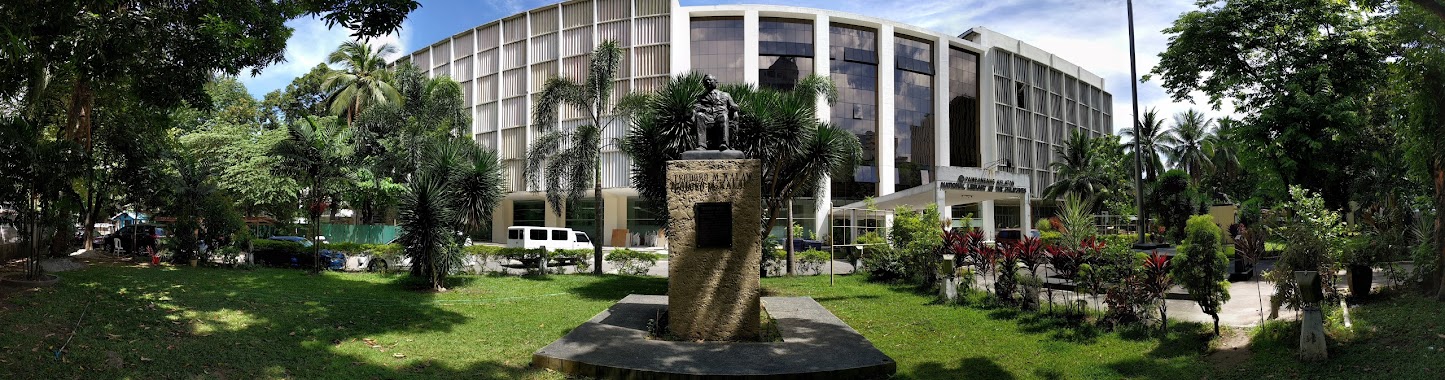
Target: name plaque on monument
[715,243]
[714,224]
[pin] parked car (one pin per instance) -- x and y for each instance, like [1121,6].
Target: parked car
[135,238]
[800,245]
[1013,235]
[373,263]
[304,257]
[551,238]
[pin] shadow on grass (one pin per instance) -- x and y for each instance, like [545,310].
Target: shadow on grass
[611,287]
[977,367]
[265,323]
[845,298]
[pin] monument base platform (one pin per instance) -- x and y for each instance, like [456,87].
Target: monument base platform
[815,345]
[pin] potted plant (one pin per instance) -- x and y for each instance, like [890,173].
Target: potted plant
[1248,249]
[1359,256]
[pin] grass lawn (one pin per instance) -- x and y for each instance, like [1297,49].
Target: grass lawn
[274,323]
[1395,336]
[931,341]
[278,323]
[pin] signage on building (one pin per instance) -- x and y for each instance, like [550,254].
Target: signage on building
[985,184]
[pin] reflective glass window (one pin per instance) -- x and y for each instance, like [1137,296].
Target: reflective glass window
[963,111]
[853,55]
[785,51]
[717,47]
[528,213]
[913,135]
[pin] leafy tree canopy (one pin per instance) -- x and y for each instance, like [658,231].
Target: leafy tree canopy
[1303,72]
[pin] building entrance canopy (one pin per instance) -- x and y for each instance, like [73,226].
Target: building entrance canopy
[944,194]
[959,185]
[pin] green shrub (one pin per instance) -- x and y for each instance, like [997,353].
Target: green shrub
[812,260]
[771,263]
[522,254]
[269,246]
[631,262]
[1044,225]
[1315,238]
[880,261]
[917,239]
[1051,238]
[1202,268]
[385,250]
[347,248]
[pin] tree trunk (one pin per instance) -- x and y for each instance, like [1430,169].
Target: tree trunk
[316,224]
[789,243]
[597,218]
[1438,174]
[1216,323]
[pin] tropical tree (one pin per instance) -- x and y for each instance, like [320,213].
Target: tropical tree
[1420,29]
[1192,144]
[778,127]
[1202,268]
[391,138]
[316,153]
[364,79]
[453,194]
[1305,74]
[1080,171]
[565,162]
[1151,141]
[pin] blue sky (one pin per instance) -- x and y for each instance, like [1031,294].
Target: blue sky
[1090,33]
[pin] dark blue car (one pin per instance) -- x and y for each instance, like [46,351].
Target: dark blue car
[332,260]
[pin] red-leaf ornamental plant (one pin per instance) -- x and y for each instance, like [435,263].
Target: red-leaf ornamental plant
[1030,252]
[1007,279]
[1157,281]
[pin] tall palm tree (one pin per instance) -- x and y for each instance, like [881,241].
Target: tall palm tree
[391,136]
[564,162]
[1192,143]
[778,127]
[1150,142]
[1081,170]
[363,80]
[454,193]
[316,153]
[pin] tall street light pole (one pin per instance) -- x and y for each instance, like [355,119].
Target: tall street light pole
[1138,152]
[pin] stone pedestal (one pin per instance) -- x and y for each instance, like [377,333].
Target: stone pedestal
[715,239]
[1312,322]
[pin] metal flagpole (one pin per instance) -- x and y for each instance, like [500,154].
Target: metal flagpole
[1138,152]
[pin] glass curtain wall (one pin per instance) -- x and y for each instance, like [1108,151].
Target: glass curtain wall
[853,55]
[913,119]
[717,47]
[529,213]
[785,52]
[583,217]
[963,123]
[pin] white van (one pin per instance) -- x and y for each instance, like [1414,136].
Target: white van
[551,238]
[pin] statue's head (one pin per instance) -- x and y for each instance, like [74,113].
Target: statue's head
[709,81]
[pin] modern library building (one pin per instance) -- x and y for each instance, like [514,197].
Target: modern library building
[968,122]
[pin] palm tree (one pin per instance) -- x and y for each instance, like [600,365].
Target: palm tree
[453,194]
[1151,141]
[363,80]
[1080,172]
[778,127]
[563,162]
[316,152]
[1192,143]
[391,136]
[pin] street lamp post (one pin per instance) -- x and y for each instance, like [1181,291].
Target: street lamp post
[1138,152]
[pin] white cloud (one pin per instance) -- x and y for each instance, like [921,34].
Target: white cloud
[310,43]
